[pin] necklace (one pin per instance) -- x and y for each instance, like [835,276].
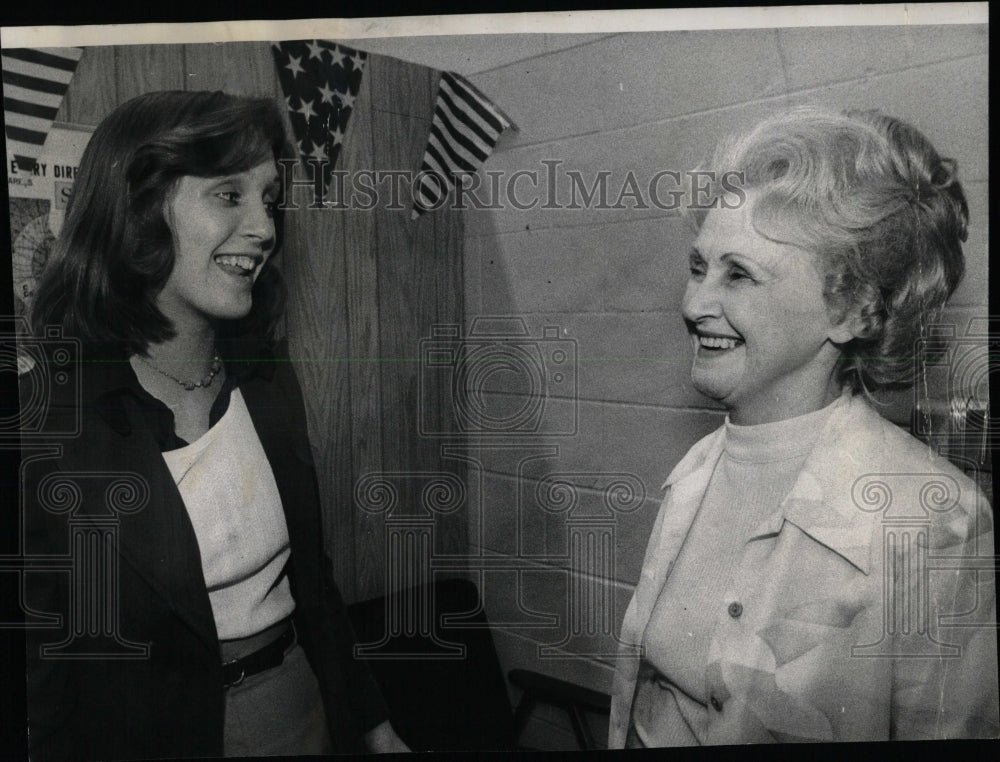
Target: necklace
[205,382]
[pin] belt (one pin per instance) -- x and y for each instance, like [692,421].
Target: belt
[273,654]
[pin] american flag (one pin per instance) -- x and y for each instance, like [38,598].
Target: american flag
[465,128]
[34,83]
[320,80]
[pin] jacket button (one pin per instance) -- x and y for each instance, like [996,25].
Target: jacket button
[735,609]
[716,704]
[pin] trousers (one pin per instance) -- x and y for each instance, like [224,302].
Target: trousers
[277,712]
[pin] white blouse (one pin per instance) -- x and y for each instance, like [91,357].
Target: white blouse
[232,499]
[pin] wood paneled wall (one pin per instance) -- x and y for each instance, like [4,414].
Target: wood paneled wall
[364,286]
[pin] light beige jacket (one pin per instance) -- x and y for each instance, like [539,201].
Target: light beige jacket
[873,616]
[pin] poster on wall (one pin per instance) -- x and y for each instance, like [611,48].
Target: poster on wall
[38,198]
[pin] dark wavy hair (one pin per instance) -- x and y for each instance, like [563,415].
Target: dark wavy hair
[882,210]
[115,251]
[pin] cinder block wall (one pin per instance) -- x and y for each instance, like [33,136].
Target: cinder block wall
[611,281]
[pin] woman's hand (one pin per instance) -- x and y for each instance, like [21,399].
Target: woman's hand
[382,739]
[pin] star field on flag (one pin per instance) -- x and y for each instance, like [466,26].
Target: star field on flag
[320,80]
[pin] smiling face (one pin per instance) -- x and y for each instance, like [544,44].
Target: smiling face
[223,233]
[764,343]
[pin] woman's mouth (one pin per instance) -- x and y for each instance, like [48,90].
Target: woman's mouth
[240,265]
[717,343]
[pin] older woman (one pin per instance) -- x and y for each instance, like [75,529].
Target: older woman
[780,599]
[219,629]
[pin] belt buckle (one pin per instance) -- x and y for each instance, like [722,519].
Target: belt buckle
[238,680]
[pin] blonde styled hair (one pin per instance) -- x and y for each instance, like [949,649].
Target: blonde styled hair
[882,210]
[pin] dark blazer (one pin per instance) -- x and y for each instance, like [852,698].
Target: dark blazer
[154,688]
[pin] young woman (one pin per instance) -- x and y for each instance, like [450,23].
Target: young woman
[788,592]
[219,629]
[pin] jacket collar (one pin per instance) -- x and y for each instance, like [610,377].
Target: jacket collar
[703,455]
[821,502]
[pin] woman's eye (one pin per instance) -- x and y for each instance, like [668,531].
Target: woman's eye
[230,196]
[696,267]
[738,275]
[270,206]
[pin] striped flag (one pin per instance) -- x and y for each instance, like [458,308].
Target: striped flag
[465,128]
[321,81]
[34,83]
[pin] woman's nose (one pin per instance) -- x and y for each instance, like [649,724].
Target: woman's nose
[258,224]
[701,300]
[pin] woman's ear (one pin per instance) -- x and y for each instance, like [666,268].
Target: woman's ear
[856,315]
[855,323]
[848,329]
[167,207]
[852,325]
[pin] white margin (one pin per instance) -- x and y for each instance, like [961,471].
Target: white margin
[514,23]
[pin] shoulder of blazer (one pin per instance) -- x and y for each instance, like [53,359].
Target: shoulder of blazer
[954,499]
[865,471]
[274,397]
[69,405]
